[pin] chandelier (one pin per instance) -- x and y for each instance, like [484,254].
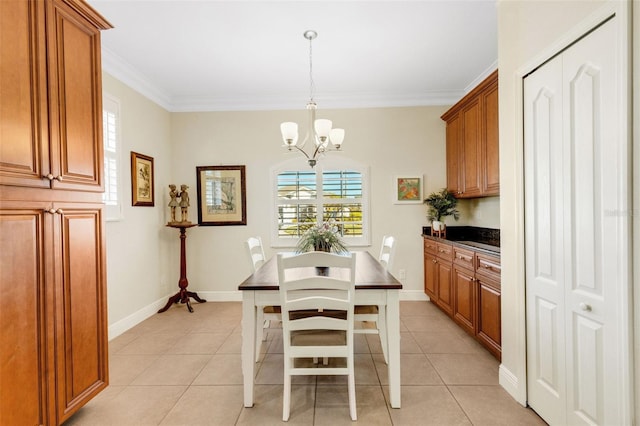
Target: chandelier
[319,131]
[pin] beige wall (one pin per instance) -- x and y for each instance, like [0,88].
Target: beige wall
[528,32]
[139,275]
[390,141]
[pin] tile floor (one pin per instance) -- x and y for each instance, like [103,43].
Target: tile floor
[178,368]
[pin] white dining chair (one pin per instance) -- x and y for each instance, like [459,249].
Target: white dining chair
[317,318]
[376,313]
[264,314]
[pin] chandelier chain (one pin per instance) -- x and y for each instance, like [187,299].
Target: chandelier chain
[312,85]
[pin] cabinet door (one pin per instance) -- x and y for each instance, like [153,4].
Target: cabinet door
[490,151]
[81,308]
[453,160]
[75,107]
[25,349]
[431,277]
[489,328]
[24,140]
[469,150]
[464,311]
[445,286]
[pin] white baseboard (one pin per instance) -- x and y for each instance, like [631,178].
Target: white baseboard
[415,295]
[119,327]
[509,382]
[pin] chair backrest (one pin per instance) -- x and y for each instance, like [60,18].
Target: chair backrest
[387,251]
[256,252]
[317,302]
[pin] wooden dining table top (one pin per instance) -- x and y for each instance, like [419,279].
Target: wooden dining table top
[370,274]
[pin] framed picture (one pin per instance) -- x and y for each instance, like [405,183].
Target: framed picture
[407,190]
[221,195]
[142,180]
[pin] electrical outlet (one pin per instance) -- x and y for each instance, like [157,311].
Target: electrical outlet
[403,274]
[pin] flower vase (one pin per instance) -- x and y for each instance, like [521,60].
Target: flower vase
[322,246]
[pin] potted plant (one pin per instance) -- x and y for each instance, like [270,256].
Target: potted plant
[441,204]
[324,237]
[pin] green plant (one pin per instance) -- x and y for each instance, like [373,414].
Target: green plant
[441,204]
[323,237]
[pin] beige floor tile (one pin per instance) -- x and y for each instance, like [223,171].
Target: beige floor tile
[267,409]
[415,369]
[361,343]
[492,406]
[408,344]
[431,342]
[427,405]
[154,343]
[198,343]
[171,370]
[222,369]
[133,406]
[206,405]
[365,372]
[414,308]
[466,369]
[121,341]
[271,372]
[231,345]
[430,323]
[332,406]
[123,369]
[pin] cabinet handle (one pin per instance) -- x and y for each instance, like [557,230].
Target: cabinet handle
[52,177]
[486,266]
[53,211]
[434,261]
[59,211]
[585,307]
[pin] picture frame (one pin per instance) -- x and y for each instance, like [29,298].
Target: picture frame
[222,198]
[142,180]
[407,189]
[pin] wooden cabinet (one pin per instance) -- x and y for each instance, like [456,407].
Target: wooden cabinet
[438,274]
[472,142]
[53,345]
[465,284]
[52,95]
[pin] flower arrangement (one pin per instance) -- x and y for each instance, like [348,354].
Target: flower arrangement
[441,204]
[324,237]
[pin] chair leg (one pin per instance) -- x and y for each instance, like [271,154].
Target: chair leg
[381,324]
[259,331]
[286,395]
[351,383]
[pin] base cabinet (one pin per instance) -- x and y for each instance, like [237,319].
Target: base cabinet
[465,284]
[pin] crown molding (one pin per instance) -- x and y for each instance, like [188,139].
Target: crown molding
[479,79]
[129,75]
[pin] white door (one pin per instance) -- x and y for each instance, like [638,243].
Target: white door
[577,239]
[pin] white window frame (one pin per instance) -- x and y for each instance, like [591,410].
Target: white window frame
[113,212]
[328,163]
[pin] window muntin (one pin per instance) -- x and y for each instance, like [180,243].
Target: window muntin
[307,197]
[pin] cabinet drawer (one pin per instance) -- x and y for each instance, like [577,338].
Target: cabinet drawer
[488,265]
[430,246]
[445,251]
[464,257]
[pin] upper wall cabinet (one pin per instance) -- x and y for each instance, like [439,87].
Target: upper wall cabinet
[472,142]
[50,132]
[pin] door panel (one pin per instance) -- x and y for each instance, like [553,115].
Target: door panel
[577,238]
[23,343]
[544,204]
[82,322]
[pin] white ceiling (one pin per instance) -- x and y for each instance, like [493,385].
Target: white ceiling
[203,55]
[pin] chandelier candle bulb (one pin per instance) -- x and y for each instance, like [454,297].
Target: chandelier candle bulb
[289,133]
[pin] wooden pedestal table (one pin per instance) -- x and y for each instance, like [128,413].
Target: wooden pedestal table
[183,295]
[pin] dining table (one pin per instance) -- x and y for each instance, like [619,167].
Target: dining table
[374,286]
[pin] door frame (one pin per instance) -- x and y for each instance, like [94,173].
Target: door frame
[516,385]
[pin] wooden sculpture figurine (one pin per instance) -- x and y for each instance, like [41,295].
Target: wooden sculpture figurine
[173,194]
[184,202]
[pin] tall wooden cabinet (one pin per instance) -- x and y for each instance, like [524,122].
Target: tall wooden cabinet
[53,318]
[472,142]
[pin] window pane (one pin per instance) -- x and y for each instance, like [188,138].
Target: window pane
[297,185]
[294,219]
[342,184]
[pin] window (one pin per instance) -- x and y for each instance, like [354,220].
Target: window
[111,139]
[331,191]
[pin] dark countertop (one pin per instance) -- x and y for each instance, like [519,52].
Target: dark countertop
[485,240]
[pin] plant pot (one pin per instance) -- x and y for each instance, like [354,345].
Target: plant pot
[436,225]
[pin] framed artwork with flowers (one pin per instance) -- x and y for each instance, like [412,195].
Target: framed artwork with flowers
[407,190]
